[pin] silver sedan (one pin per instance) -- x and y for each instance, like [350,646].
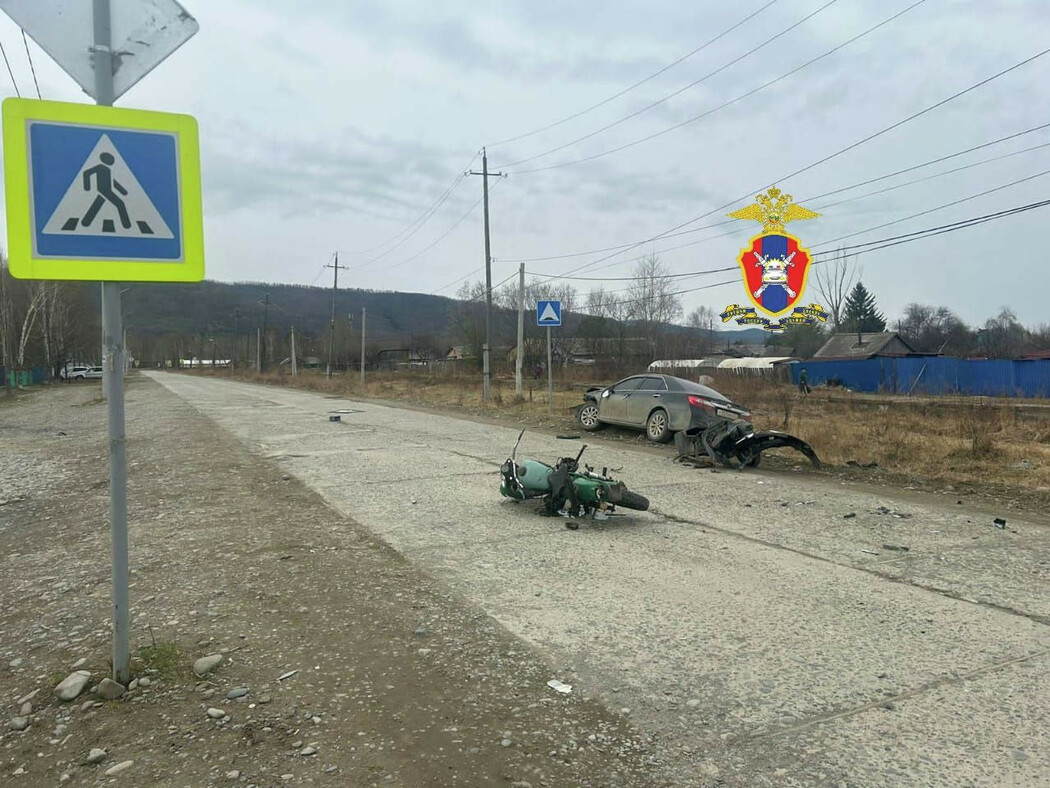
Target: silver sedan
[659,404]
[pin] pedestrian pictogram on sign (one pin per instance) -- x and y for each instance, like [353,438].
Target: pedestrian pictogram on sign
[102,193]
[548,313]
[106,199]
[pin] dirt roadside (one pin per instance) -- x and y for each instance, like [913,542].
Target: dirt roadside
[396,681]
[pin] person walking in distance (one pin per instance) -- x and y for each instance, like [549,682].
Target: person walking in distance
[105,183]
[803,381]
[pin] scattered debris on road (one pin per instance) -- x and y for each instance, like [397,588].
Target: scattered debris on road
[559,686]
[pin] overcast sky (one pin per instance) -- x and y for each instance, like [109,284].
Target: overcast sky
[332,125]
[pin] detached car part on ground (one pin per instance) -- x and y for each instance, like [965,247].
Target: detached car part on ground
[701,421]
[566,490]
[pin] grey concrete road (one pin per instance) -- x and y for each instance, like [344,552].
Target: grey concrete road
[764,636]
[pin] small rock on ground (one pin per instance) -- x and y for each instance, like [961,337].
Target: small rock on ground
[216,714]
[207,664]
[72,685]
[110,689]
[96,755]
[118,768]
[237,692]
[18,723]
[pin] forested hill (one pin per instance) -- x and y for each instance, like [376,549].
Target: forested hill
[222,308]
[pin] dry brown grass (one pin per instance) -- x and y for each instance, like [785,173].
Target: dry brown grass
[952,440]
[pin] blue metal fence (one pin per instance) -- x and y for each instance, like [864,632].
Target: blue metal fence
[932,375]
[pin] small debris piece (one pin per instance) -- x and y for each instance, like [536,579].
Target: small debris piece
[895,548]
[287,675]
[849,515]
[1000,523]
[335,418]
[559,686]
[869,552]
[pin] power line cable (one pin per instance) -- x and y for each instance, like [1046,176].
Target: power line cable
[678,92]
[640,82]
[726,104]
[9,71]
[887,176]
[36,84]
[457,281]
[424,216]
[824,160]
[819,244]
[445,234]
[418,224]
[851,199]
[873,246]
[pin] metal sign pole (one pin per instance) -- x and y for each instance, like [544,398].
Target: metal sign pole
[550,376]
[113,380]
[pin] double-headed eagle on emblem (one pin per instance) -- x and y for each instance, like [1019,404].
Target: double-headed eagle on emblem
[780,257]
[774,209]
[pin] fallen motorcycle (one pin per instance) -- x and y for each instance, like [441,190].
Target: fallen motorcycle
[566,490]
[736,443]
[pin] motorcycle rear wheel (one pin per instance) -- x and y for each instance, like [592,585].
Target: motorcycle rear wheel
[630,500]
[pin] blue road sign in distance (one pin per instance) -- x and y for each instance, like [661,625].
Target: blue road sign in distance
[548,313]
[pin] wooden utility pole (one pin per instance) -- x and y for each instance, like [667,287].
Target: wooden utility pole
[521,330]
[262,335]
[236,323]
[331,328]
[363,315]
[295,369]
[486,348]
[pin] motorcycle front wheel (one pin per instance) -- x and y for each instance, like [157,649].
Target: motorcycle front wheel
[630,500]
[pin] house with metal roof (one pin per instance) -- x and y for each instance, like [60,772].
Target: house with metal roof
[860,345]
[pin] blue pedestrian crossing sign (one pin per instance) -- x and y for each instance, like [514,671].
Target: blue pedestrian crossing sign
[548,313]
[101,193]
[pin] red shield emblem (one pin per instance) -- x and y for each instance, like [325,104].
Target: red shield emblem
[775,269]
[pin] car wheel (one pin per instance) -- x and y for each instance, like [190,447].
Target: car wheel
[754,461]
[79,377]
[588,417]
[657,428]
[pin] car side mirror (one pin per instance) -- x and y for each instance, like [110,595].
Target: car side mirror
[606,393]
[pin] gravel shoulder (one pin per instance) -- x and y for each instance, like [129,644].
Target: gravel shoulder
[395,678]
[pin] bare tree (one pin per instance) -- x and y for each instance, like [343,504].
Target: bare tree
[704,320]
[37,296]
[654,301]
[835,279]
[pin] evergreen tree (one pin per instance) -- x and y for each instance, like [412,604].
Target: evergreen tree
[860,312]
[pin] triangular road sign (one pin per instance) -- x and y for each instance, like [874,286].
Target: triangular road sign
[549,315]
[106,199]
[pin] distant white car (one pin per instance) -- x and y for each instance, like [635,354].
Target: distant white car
[75,372]
[81,372]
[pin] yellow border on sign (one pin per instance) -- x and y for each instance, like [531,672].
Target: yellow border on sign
[24,265]
[805,274]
